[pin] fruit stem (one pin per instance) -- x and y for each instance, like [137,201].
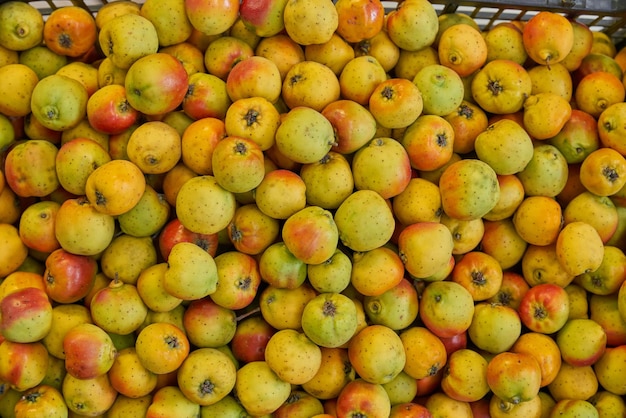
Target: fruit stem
[248,314]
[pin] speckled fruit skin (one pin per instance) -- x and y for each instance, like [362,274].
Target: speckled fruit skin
[469,189]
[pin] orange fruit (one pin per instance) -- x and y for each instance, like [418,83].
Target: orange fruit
[603,172]
[611,127]
[174,179]
[538,220]
[376,271]
[334,373]
[70,31]
[480,273]
[467,121]
[162,347]
[198,141]
[548,37]
[544,349]
[429,142]
[377,354]
[359,19]
[425,352]
[511,290]
[501,241]
[463,48]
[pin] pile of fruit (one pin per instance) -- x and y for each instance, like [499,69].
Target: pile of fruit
[307,208]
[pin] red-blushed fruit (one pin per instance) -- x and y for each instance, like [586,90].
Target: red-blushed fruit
[446,308]
[18,164]
[578,137]
[429,385]
[25,315]
[69,277]
[311,234]
[108,110]
[23,365]
[89,351]
[206,97]
[251,231]
[359,397]
[280,268]
[382,165]
[251,337]
[208,324]
[479,273]
[548,37]
[36,225]
[20,279]
[263,17]
[514,377]
[239,279]
[511,290]
[544,308]
[429,142]
[579,352]
[70,31]
[455,342]
[544,349]
[354,125]
[174,232]
[409,410]
[396,103]
[156,84]
[212,17]
[243,79]
[359,19]
[604,309]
